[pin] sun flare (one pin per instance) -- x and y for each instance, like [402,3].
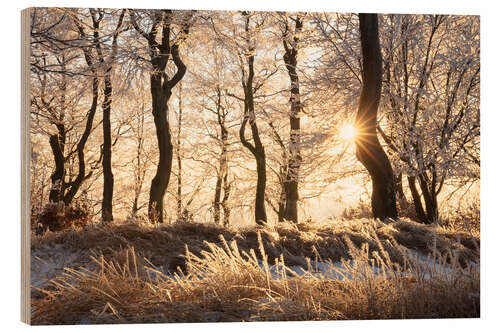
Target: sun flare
[348,132]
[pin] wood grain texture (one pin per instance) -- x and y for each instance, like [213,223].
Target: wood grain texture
[25,167]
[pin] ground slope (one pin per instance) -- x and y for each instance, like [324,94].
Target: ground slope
[125,272]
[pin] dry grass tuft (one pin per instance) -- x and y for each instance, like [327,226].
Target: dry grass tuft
[164,246]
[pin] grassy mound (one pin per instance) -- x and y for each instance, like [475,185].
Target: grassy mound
[189,272]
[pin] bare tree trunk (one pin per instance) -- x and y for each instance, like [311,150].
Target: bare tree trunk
[57,177]
[107,172]
[161,91]
[294,159]
[419,210]
[221,184]
[368,149]
[430,200]
[135,205]
[260,192]
[260,159]
[140,171]
[74,185]
[257,149]
[217,203]
[57,145]
[282,199]
[225,203]
[160,180]
[400,194]
[222,181]
[179,160]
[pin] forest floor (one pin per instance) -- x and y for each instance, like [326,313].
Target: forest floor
[197,272]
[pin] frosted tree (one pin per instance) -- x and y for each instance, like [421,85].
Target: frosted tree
[56,60]
[164,31]
[291,33]
[431,91]
[368,149]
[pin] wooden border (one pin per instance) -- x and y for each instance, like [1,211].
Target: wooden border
[25,167]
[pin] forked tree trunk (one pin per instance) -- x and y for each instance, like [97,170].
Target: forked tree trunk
[430,199]
[161,91]
[74,185]
[57,145]
[257,149]
[260,159]
[419,210]
[368,149]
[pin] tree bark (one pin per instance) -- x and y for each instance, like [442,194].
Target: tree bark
[107,171]
[164,168]
[222,181]
[225,198]
[140,171]
[217,203]
[400,193]
[161,91]
[430,200]
[179,160]
[74,185]
[108,178]
[294,158]
[257,149]
[368,149]
[419,210]
[282,199]
[57,177]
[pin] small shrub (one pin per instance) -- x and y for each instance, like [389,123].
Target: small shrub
[58,216]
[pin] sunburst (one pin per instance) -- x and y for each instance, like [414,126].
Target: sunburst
[348,132]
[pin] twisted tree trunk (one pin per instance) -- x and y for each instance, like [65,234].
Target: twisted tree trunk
[161,91]
[368,149]
[160,181]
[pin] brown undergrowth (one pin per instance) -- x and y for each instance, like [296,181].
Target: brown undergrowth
[189,272]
